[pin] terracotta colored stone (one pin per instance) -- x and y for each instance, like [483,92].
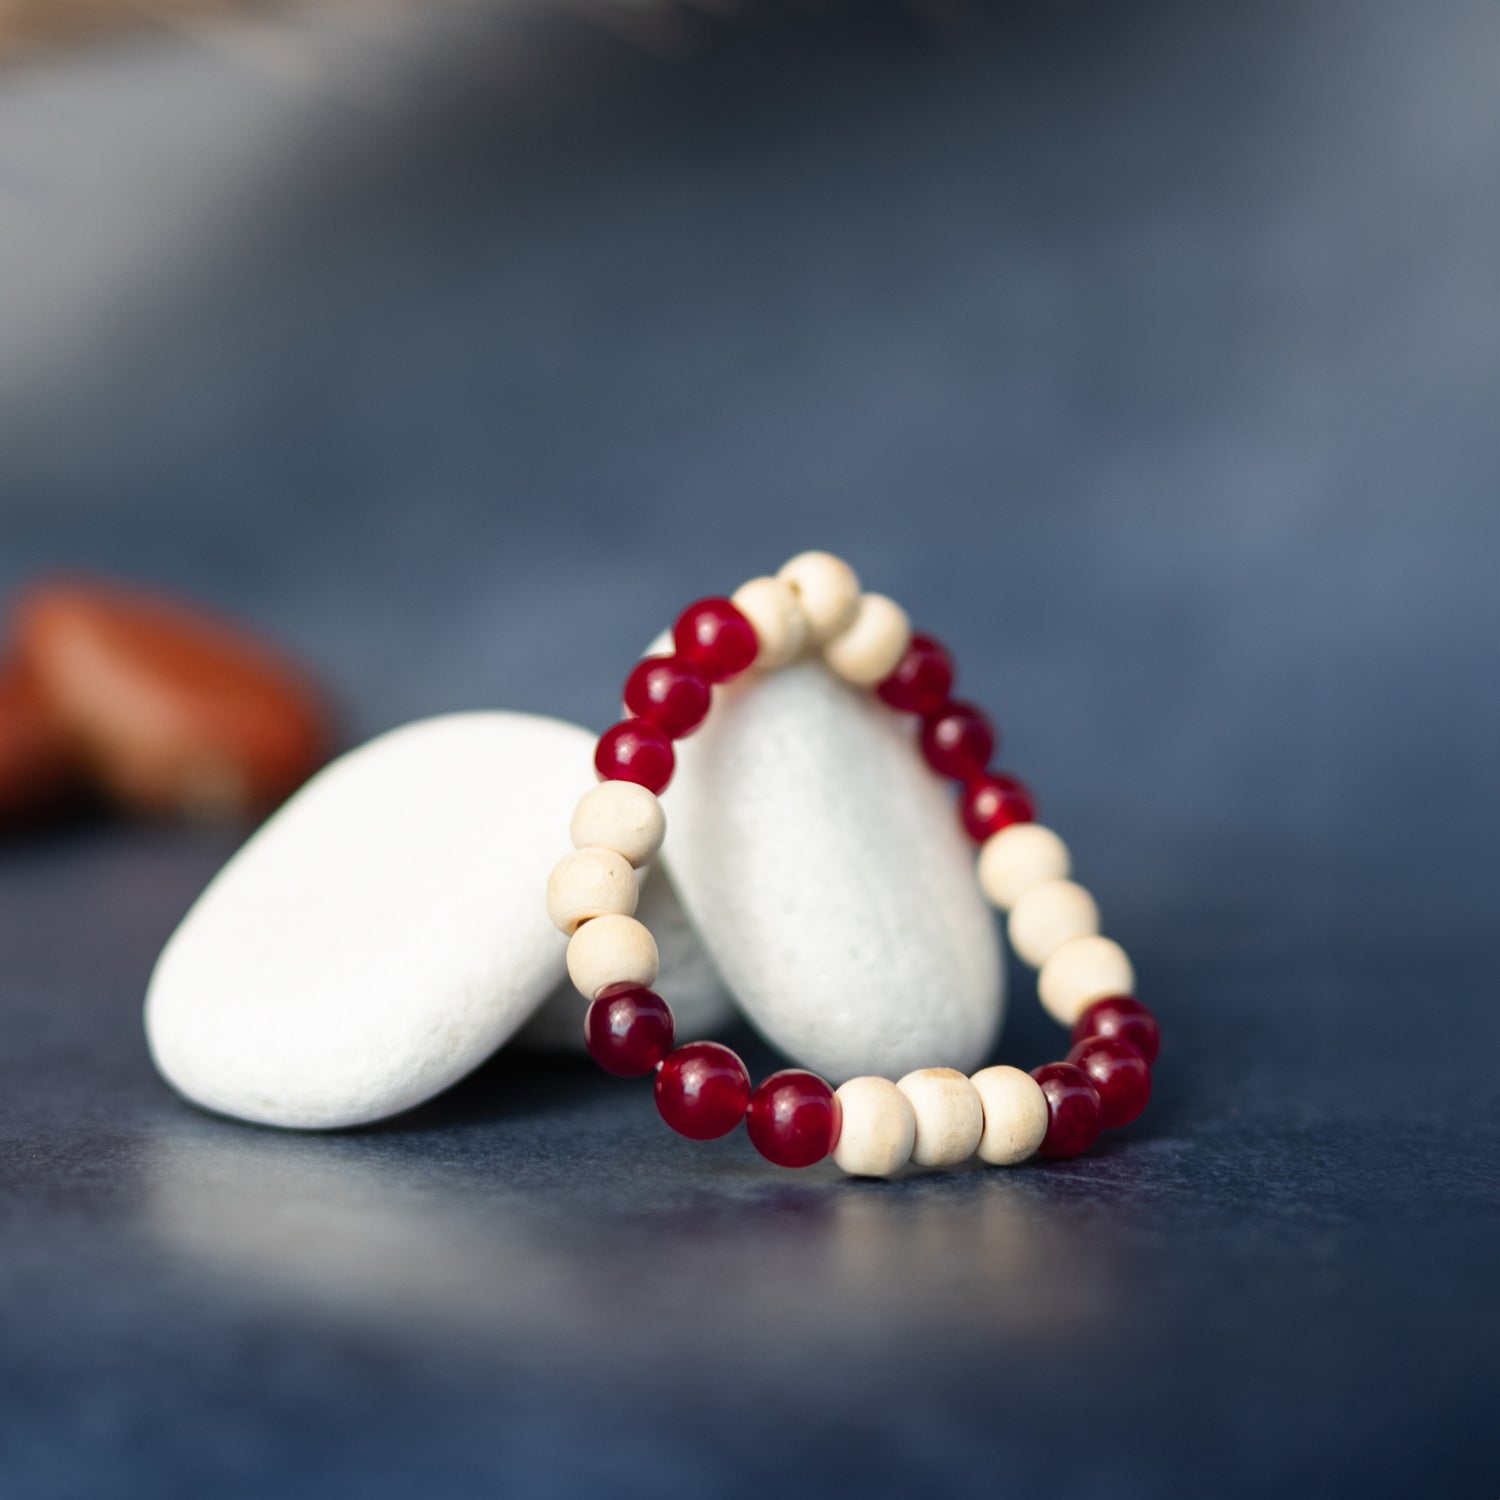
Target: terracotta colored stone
[173,711]
[39,775]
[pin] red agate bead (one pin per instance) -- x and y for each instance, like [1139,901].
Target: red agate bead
[1073,1109]
[794,1118]
[716,638]
[922,680]
[1123,1016]
[702,1090]
[1119,1072]
[628,1030]
[992,802]
[670,693]
[634,750]
[958,741]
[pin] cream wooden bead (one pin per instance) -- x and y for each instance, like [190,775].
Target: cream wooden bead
[776,613]
[950,1118]
[878,1129]
[1083,970]
[1049,915]
[1015,1115]
[622,816]
[590,883]
[611,950]
[868,651]
[1017,858]
[828,590]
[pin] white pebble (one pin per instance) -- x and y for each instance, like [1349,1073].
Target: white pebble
[590,883]
[622,816]
[776,613]
[380,935]
[1049,915]
[1080,972]
[878,1129]
[821,863]
[869,650]
[611,950]
[950,1117]
[828,590]
[1015,1115]
[1017,858]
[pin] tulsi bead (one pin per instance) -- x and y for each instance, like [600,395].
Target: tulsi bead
[793,1119]
[634,750]
[670,693]
[702,1090]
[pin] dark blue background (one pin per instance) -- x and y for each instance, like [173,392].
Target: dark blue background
[1151,354]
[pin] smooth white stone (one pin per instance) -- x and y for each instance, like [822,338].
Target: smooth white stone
[688,982]
[382,934]
[826,873]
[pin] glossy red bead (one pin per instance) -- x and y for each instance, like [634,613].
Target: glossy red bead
[716,638]
[1074,1116]
[1123,1016]
[1119,1072]
[628,1029]
[958,741]
[923,678]
[670,693]
[634,750]
[992,802]
[702,1090]
[794,1118]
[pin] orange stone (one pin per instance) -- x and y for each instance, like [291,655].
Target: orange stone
[39,775]
[172,711]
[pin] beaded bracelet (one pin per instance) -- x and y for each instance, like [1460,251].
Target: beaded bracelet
[932,1117]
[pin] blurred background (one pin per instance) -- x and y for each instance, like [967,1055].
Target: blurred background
[1149,353]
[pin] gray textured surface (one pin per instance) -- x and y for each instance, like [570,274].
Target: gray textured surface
[1152,355]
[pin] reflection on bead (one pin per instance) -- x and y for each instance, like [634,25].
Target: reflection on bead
[670,693]
[1073,1110]
[793,1119]
[922,680]
[992,802]
[628,1030]
[958,741]
[702,1090]
[716,638]
[634,750]
[1119,1072]
[1123,1016]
